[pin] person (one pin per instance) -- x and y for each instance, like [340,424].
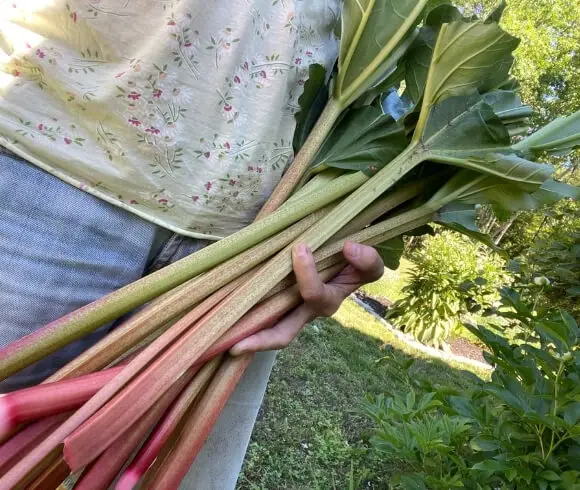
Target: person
[135,132]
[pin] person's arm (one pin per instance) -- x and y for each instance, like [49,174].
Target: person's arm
[320,299]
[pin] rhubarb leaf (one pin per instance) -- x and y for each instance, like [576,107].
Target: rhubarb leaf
[465,132]
[391,252]
[468,57]
[365,139]
[552,191]
[475,188]
[559,138]
[417,62]
[462,218]
[311,102]
[418,58]
[507,105]
[372,33]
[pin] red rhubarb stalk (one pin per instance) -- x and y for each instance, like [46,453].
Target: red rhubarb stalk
[264,315]
[18,445]
[48,399]
[104,470]
[198,425]
[165,428]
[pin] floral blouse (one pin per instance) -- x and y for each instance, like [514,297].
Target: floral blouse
[180,111]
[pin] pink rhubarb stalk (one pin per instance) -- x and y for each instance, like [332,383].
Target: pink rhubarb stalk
[133,401]
[18,445]
[165,428]
[263,316]
[48,399]
[198,425]
[103,471]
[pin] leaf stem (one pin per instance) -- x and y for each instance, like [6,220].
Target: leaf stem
[302,161]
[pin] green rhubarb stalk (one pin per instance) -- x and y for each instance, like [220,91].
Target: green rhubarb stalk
[382,206]
[162,310]
[46,340]
[304,157]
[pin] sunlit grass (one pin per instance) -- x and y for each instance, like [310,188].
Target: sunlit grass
[391,284]
[351,315]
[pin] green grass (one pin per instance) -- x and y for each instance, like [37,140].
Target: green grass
[391,284]
[309,434]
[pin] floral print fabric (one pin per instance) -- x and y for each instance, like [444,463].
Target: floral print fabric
[181,111]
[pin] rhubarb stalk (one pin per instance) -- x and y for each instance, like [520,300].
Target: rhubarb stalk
[103,471]
[14,449]
[48,399]
[198,425]
[86,319]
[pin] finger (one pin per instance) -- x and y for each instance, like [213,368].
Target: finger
[366,260]
[276,337]
[312,289]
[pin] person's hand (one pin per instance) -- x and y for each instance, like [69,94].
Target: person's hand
[320,299]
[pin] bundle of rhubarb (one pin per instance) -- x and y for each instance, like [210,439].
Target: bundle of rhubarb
[420,122]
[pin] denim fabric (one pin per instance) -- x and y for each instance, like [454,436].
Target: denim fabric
[61,248]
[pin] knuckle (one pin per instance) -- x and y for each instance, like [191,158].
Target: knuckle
[312,294]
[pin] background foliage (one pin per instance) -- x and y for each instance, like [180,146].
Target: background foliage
[452,275]
[518,430]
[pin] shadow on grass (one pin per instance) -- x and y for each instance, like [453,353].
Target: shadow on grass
[309,434]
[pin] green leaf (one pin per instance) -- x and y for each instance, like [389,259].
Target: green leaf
[491,465]
[364,138]
[462,218]
[417,62]
[573,291]
[484,443]
[550,475]
[559,137]
[552,191]
[461,214]
[574,456]
[572,413]
[468,57]
[464,131]
[375,35]
[556,331]
[311,102]
[507,105]
[444,14]
[391,252]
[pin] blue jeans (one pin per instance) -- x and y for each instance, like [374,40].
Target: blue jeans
[61,248]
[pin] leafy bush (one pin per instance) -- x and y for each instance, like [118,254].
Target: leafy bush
[452,275]
[558,261]
[519,430]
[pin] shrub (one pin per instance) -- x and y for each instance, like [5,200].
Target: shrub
[452,275]
[519,430]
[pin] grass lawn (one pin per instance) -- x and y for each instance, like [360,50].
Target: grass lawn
[391,284]
[309,434]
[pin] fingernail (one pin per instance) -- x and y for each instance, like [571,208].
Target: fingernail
[355,250]
[302,250]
